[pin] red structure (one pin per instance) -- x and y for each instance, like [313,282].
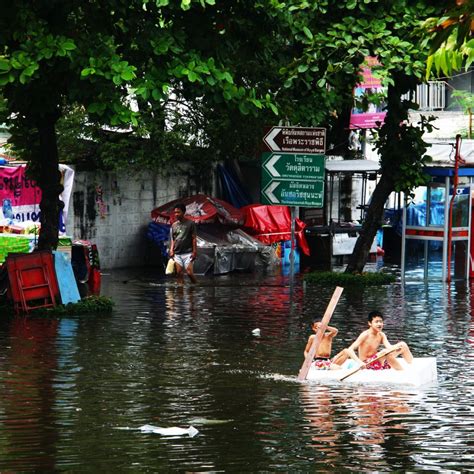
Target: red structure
[33,281]
[201,209]
[271,224]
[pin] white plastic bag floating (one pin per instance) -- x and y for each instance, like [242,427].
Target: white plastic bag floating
[173,431]
[256,332]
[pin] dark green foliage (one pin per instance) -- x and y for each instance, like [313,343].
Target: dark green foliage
[89,305]
[197,80]
[347,280]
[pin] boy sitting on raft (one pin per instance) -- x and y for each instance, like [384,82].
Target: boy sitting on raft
[322,358]
[368,344]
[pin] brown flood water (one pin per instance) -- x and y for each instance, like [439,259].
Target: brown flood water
[75,391]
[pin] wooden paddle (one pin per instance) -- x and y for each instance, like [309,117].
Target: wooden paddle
[379,356]
[319,334]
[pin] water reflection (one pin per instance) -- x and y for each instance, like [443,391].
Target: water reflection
[75,391]
[29,363]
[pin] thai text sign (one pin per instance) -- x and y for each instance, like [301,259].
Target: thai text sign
[296,139]
[293,179]
[20,196]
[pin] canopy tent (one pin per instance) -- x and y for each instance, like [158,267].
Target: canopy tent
[222,247]
[201,209]
[271,224]
[443,151]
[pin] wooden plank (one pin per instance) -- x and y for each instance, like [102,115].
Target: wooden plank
[319,334]
[381,354]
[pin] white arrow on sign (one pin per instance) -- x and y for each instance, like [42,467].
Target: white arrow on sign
[269,139]
[269,192]
[269,165]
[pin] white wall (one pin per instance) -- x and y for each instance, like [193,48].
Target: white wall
[113,210]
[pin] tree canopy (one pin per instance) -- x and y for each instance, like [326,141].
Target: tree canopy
[205,74]
[117,61]
[451,38]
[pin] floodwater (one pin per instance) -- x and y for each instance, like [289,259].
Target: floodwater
[75,391]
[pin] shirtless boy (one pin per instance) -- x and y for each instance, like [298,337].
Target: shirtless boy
[322,358]
[367,345]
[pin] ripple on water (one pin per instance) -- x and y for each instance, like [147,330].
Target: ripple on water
[172,356]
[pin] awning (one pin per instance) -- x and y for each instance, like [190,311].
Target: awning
[352,166]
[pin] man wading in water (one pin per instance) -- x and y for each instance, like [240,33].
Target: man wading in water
[183,248]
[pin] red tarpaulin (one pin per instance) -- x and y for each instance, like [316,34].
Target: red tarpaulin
[201,209]
[271,224]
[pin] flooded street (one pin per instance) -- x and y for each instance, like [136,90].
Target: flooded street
[75,391]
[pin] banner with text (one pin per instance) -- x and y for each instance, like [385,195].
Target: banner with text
[362,117]
[20,196]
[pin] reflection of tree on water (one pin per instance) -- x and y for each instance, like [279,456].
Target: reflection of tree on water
[28,395]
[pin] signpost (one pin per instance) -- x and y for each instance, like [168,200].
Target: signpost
[294,193]
[293,180]
[296,139]
[293,174]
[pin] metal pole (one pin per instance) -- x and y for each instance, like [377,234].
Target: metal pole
[468,249]
[446,229]
[292,250]
[451,204]
[404,226]
[427,224]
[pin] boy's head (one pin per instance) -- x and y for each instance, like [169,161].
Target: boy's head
[315,324]
[374,314]
[375,320]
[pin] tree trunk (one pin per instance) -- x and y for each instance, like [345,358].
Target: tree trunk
[371,224]
[393,138]
[49,180]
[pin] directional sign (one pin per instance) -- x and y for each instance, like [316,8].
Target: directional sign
[296,139]
[293,180]
[289,166]
[294,193]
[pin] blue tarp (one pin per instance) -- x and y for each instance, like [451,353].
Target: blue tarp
[159,234]
[416,216]
[232,189]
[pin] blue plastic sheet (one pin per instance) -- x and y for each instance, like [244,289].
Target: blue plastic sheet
[232,188]
[159,234]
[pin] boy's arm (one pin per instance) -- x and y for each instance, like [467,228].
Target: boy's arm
[331,331]
[354,346]
[308,345]
[385,342]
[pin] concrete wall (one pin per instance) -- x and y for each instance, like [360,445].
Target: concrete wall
[447,124]
[113,210]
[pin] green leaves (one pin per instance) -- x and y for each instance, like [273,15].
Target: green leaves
[307,32]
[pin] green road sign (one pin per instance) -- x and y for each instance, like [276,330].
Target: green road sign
[294,193]
[290,166]
[293,180]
